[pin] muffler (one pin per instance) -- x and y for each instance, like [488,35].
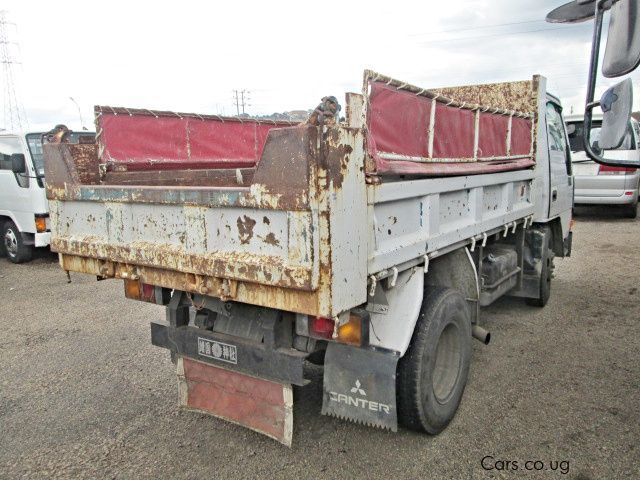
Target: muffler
[481,334]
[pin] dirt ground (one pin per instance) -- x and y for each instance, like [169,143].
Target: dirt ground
[83,393]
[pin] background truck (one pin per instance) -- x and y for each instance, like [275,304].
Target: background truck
[24,213]
[368,245]
[24,210]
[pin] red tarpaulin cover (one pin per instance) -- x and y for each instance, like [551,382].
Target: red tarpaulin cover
[399,123]
[143,141]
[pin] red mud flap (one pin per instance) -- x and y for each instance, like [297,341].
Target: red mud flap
[261,405]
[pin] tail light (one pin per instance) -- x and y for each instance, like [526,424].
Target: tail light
[353,331]
[321,327]
[136,290]
[607,170]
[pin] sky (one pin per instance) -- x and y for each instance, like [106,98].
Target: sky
[190,56]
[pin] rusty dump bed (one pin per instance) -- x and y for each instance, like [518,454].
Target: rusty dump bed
[294,217]
[262,238]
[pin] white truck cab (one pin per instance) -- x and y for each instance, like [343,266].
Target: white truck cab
[24,209]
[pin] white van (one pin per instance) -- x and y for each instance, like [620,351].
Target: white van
[24,210]
[600,184]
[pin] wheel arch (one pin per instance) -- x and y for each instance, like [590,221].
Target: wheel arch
[557,237]
[402,303]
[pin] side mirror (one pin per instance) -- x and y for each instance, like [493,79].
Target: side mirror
[573,12]
[622,54]
[18,164]
[616,105]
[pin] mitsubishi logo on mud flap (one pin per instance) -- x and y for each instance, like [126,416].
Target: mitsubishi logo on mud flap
[359,390]
[359,402]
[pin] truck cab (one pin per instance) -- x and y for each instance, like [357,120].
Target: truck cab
[24,210]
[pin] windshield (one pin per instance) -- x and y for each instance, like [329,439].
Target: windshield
[34,141]
[576,130]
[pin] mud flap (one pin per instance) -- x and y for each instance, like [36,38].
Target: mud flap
[360,385]
[261,405]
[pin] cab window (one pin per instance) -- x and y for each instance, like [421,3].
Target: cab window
[8,146]
[556,135]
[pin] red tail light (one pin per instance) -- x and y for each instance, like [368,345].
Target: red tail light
[321,327]
[607,170]
[136,290]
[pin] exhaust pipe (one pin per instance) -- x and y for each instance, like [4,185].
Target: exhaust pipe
[481,334]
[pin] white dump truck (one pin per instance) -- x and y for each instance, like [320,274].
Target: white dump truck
[367,244]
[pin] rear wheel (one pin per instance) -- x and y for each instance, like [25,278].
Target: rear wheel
[433,372]
[14,245]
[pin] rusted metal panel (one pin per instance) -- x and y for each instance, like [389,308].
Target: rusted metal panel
[179,243]
[281,180]
[288,299]
[519,96]
[287,240]
[234,177]
[72,164]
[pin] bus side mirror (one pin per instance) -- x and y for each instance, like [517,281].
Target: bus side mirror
[622,54]
[616,105]
[18,164]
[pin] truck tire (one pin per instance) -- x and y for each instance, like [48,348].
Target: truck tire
[3,251]
[14,245]
[546,274]
[433,372]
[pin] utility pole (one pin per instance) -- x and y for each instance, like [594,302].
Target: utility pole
[241,98]
[14,115]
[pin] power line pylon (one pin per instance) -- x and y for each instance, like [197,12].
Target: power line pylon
[14,115]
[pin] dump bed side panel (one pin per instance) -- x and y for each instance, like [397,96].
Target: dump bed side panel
[415,218]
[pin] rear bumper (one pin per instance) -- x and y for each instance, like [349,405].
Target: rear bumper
[604,199]
[283,365]
[605,189]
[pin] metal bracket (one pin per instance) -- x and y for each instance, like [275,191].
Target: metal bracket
[374,283]
[394,277]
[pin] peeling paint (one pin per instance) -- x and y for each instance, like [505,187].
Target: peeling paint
[245,229]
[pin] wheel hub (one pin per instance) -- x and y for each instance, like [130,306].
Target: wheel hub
[11,242]
[447,364]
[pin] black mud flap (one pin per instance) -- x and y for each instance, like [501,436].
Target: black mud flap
[360,385]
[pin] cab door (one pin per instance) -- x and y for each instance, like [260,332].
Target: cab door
[560,173]
[15,197]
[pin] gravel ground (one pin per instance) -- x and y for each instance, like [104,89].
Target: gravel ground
[83,394]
